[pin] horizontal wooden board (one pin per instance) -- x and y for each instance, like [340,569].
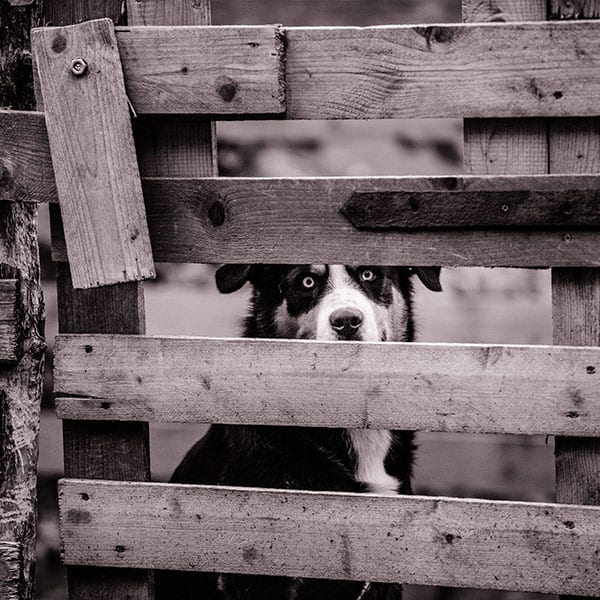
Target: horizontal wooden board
[521,209]
[433,541]
[250,220]
[8,320]
[473,70]
[201,70]
[436,387]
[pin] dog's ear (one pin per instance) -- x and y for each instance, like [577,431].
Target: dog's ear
[230,278]
[430,277]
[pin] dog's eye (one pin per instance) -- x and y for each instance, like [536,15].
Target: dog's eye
[367,275]
[308,283]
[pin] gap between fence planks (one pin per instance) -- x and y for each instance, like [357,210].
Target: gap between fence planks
[8,320]
[432,541]
[91,143]
[473,70]
[432,387]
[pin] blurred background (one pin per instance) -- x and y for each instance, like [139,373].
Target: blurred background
[477,305]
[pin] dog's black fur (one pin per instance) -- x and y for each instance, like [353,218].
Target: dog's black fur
[290,457]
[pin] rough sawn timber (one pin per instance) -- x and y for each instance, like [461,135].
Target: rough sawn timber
[432,541]
[296,221]
[91,142]
[439,387]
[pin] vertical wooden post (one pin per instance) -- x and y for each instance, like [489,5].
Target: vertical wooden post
[575,148]
[21,379]
[95,450]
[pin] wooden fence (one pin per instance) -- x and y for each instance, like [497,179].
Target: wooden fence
[115,525]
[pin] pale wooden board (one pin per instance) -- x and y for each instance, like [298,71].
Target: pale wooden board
[490,70]
[10,570]
[299,221]
[438,387]
[8,320]
[432,541]
[204,70]
[94,159]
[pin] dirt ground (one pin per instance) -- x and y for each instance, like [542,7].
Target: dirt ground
[478,305]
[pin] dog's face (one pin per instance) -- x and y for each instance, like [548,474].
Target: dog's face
[328,302]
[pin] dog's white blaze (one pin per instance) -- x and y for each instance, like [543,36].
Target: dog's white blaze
[343,293]
[371,447]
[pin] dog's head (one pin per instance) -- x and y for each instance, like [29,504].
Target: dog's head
[329,302]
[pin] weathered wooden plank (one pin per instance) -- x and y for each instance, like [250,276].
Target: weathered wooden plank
[470,388]
[280,220]
[204,70]
[432,541]
[488,70]
[8,320]
[94,159]
[523,209]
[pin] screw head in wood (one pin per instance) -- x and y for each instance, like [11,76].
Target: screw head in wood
[505,208]
[78,67]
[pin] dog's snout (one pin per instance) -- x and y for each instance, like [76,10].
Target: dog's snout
[346,321]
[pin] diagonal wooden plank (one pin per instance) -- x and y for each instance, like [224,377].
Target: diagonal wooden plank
[94,159]
[433,541]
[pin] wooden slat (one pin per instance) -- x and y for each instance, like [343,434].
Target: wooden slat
[490,70]
[470,388]
[432,541]
[299,221]
[98,183]
[8,320]
[523,209]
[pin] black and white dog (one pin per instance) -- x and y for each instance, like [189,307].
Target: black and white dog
[322,302]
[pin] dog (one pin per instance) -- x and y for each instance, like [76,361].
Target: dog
[319,302]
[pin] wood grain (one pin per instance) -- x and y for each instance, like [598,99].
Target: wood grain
[10,571]
[432,541]
[279,221]
[489,70]
[26,173]
[469,388]
[522,209]
[94,159]
[93,449]
[8,320]
[204,70]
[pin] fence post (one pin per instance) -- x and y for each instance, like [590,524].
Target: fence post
[574,147]
[22,316]
[100,450]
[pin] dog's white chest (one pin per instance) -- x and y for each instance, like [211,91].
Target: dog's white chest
[371,447]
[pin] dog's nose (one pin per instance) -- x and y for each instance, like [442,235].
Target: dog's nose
[346,321]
